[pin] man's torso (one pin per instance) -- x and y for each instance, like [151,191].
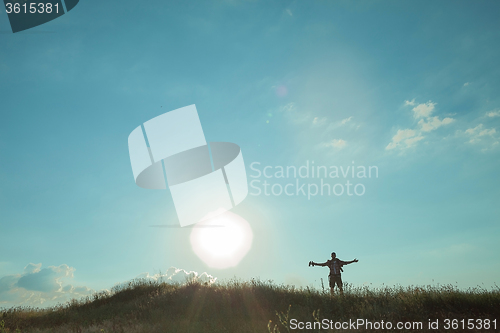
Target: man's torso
[335,266]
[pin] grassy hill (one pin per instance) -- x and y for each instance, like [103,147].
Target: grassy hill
[256,306]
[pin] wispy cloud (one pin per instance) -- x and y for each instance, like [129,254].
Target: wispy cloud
[317,128]
[345,121]
[318,121]
[335,143]
[485,136]
[292,112]
[492,114]
[479,131]
[410,103]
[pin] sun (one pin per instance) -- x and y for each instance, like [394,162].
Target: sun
[222,241]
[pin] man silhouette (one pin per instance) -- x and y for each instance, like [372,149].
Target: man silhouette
[335,265]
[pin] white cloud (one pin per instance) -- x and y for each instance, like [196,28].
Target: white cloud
[423,110]
[336,143]
[495,113]
[38,286]
[32,268]
[466,84]
[412,141]
[409,137]
[433,123]
[46,279]
[44,287]
[178,275]
[289,12]
[402,139]
[411,103]
[403,134]
[391,145]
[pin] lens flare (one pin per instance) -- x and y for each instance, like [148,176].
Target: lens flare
[281,91]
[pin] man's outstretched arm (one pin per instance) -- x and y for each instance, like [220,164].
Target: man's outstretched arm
[312,263]
[350,262]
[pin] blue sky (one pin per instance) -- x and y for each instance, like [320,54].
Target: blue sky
[409,87]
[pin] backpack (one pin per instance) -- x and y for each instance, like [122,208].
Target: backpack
[339,265]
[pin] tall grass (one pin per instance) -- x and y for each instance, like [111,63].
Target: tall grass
[251,306]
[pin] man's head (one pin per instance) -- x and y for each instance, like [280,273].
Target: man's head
[333,255]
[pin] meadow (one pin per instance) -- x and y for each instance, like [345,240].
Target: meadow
[261,306]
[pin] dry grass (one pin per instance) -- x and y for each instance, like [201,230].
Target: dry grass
[254,306]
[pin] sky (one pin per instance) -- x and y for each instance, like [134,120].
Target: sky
[409,88]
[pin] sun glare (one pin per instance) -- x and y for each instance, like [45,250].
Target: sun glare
[222,241]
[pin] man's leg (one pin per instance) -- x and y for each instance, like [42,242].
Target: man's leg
[339,284]
[331,281]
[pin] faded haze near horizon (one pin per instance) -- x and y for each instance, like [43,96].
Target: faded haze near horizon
[411,88]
